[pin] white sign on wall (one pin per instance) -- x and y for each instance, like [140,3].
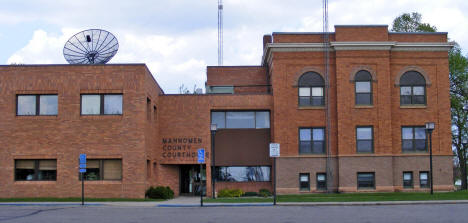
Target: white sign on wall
[274,149]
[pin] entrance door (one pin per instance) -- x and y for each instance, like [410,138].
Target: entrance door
[190,180]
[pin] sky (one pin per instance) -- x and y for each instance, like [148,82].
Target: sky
[177,39]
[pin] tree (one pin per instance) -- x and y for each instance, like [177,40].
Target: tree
[458,65]
[458,74]
[407,22]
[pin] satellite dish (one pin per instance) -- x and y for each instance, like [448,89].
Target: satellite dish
[92,46]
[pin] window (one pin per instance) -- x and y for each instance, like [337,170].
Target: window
[304,182]
[107,169]
[366,180]
[413,139]
[363,88]
[101,104]
[364,140]
[241,119]
[36,105]
[220,89]
[243,173]
[35,170]
[424,179]
[408,179]
[311,87]
[311,140]
[412,89]
[321,181]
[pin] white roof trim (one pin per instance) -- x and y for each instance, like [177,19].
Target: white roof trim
[338,46]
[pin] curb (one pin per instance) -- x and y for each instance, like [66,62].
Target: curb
[48,204]
[217,205]
[371,203]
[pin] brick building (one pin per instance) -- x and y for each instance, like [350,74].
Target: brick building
[363,132]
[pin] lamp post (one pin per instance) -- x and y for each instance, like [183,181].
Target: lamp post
[429,128]
[213,129]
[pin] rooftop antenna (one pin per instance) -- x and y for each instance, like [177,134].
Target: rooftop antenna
[326,45]
[92,46]
[220,32]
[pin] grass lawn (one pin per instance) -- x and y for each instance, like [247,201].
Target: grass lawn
[74,199]
[350,197]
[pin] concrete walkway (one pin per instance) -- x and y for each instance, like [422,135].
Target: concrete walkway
[195,202]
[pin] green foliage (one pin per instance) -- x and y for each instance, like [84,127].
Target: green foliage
[159,193]
[230,193]
[250,194]
[264,192]
[411,22]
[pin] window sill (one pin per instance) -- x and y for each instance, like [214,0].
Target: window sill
[35,182]
[363,106]
[313,155]
[103,181]
[37,116]
[100,117]
[413,106]
[311,107]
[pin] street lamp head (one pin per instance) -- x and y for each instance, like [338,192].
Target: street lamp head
[430,126]
[213,127]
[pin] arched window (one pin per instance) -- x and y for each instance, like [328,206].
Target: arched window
[412,89]
[311,89]
[363,88]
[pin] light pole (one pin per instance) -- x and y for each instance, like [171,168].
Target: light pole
[429,128]
[213,129]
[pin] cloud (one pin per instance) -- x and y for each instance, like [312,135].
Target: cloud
[178,39]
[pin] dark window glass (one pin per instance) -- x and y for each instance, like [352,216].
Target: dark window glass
[101,104]
[37,105]
[364,139]
[35,170]
[311,87]
[424,179]
[321,181]
[366,180]
[304,182]
[107,169]
[412,89]
[311,140]
[408,179]
[243,173]
[363,88]
[241,119]
[413,139]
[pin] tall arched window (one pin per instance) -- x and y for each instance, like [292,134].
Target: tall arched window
[363,88]
[311,89]
[412,89]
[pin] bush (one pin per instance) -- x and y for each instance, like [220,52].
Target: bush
[264,192]
[159,193]
[250,194]
[230,193]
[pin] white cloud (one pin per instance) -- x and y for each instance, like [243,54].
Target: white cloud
[178,39]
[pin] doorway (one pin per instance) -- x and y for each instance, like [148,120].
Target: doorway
[191,180]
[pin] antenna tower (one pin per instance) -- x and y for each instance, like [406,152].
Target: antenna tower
[220,32]
[326,45]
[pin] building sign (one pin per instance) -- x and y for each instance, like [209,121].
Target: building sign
[181,148]
[274,149]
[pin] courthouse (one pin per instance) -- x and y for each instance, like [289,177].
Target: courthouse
[362,132]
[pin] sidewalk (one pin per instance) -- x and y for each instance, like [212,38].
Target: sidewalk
[195,202]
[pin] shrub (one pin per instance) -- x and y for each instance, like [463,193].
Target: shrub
[159,193]
[230,193]
[264,192]
[250,194]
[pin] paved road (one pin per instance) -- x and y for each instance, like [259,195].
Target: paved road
[328,214]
